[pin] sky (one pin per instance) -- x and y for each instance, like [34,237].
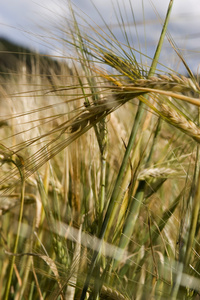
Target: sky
[30,22]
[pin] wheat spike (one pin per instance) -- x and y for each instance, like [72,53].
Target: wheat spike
[169,83]
[112,294]
[133,74]
[157,172]
[179,121]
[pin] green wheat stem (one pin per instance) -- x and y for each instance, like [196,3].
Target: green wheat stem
[114,196]
[20,168]
[136,126]
[194,220]
[103,151]
[161,40]
[137,200]
[195,210]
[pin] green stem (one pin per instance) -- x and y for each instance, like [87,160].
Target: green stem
[138,198]
[114,196]
[125,161]
[161,40]
[21,171]
[194,219]
[103,151]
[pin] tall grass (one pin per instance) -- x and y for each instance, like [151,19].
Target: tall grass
[100,173]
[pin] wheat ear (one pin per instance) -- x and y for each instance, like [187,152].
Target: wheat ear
[157,173]
[179,121]
[169,83]
[112,294]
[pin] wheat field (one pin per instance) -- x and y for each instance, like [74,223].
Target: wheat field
[99,170]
